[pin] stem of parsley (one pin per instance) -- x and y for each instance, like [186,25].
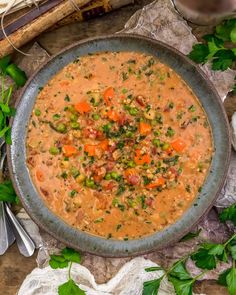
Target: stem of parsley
[69,270]
[227,242]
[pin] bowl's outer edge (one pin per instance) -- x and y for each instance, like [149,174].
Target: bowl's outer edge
[211,102]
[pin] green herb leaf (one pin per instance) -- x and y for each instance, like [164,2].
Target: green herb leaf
[58,261]
[151,287]
[231,281]
[233,251]
[70,288]
[182,287]
[179,271]
[71,255]
[190,236]
[203,259]
[222,277]
[17,75]
[233,35]
[224,29]
[199,53]
[229,214]
[7,192]
[4,62]
[222,60]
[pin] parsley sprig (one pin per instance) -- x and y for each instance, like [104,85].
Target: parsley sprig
[7,192]
[6,112]
[218,48]
[65,259]
[205,258]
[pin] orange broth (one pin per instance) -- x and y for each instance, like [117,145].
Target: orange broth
[118,145]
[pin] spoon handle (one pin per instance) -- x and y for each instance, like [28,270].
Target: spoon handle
[24,242]
[6,234]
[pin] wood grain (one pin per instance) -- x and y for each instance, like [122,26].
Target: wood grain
[31,30]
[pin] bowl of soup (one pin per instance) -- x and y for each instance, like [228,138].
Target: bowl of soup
[120,145]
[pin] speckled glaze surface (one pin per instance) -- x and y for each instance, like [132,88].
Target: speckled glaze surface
[75,238]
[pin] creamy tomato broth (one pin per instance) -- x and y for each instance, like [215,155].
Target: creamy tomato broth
[118,145]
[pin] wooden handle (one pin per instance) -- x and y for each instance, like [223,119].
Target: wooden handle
[42,23]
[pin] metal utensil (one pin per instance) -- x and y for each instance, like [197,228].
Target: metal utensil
[6,234]
[10,227]
[25,244]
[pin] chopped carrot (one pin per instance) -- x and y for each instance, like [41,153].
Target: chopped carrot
[64,83]
[40,175]
[109,95]
[158,182]
[178,145]
[130,171]
[144,128]
[104,144]
[113,116]
[90,149]
[69,150]
[83,107]
[140,159]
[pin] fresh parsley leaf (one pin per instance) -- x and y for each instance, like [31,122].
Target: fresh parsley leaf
[179,271]
[229,214]
[216,249]
[71,255]
[190,236]
[70,288]
[233,35]
[199,53]
[222,277]
[222,60]
[7,192]
[58,261]
[184,287]
[224,29]
[4,62]
[231,281]
[233,251]
[17,75]
[151,287]
[203,259]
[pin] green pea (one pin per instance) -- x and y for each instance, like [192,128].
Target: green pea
[54,150]
[133,111]
[95,117]
[73,117]
[90,183]
[75,125]
[56,117]
[165,146]
[37,112]
[61,128]
[129,134]
[115,175]
[108,176]
[156,142]
[131,164]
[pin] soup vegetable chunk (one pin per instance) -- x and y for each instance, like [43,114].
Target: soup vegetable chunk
[118,145]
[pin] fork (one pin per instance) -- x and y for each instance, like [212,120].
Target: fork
[6,234]
[25,244]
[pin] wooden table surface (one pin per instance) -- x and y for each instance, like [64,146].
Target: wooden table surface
[13,266]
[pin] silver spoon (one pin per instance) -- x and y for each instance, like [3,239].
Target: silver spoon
[25,244]
[10,224]
[6,234]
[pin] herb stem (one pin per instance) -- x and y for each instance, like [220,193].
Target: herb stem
[227,242]
[69,271]
[200,275]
